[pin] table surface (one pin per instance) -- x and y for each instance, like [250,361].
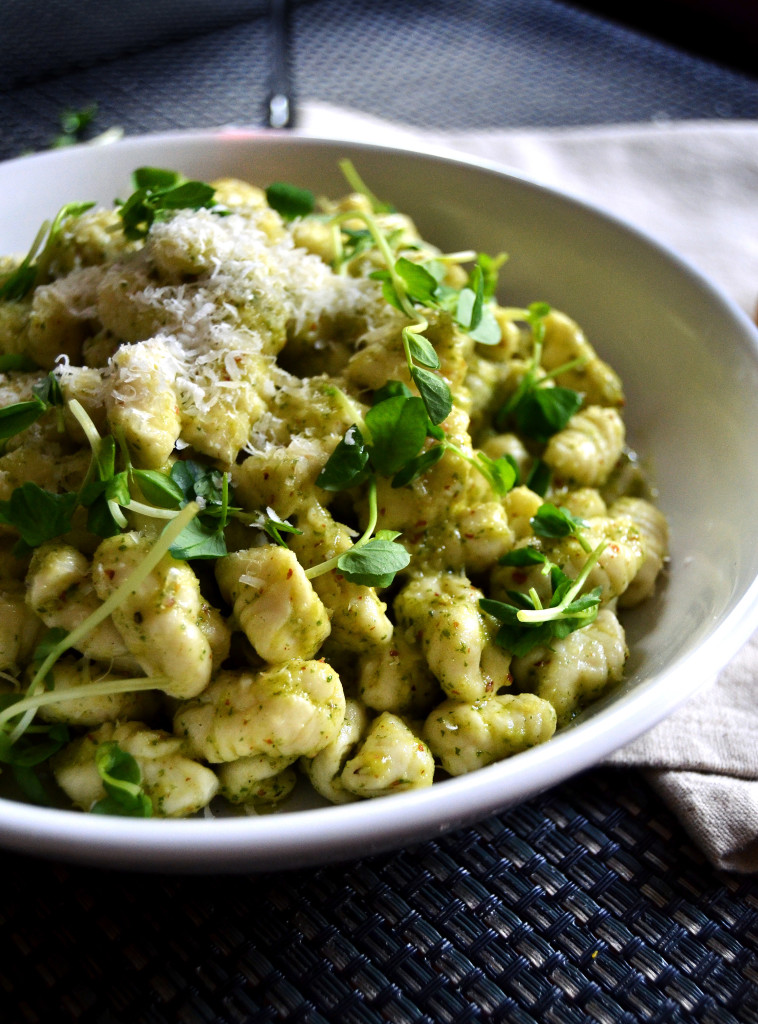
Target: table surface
[586,904]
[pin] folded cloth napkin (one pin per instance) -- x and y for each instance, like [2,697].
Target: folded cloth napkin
[693,186]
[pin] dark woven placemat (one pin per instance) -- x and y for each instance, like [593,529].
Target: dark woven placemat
[587,904]
[451,65]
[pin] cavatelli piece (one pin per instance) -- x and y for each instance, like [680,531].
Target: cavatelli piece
[564,343]
[652,525]
[397,678]
[577,669]
[161,622]
[92,710]
[274,602]
[176,785]
[391,759]
[441,612]
[248,778]
[325,769]
[61,591]
[291,710]
[466,736]
[588,448]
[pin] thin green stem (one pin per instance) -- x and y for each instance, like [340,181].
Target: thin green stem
[119,595]
[550,614]
[358,185]
[98,689]
[373,514]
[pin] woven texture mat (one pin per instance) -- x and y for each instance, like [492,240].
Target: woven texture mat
[587,904]
[452,65]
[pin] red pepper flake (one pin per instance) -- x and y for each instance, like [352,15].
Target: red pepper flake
[289,573]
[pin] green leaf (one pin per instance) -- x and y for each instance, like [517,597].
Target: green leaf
[391,389]
[525,556]
[100,519]
[346,465]
[420,285]
[471,301]
[354,242]
[199,539]
[421,350]
[30,785]
[17,417]
[388,288]
[19,361]
[122,781]
[544,411]
[51,639]
[24,278]
[553,522]
[48,391]
[155,178]
[418,466]
[31,750]
[275,527]
[398,430]
[158,193]
[489,267]
[195,480]
[488,331]
[434,392]
[74,124]
[37,514]
[158,488]
[501,473]
[539,477]
[290,201]
[374,563]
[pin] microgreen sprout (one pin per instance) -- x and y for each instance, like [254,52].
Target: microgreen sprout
[527,622]
[373,560]
[397,428]
[538,409]
[122,781]
[157,194]
[32,269]
[131,584]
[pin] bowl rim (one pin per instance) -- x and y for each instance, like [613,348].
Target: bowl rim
[309,836]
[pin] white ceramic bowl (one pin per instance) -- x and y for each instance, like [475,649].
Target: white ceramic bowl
[689,361]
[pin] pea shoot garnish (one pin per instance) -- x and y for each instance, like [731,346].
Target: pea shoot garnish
[528,623]
[397,429]
[32,269]
[373,560]
[122,781]
[537,409]
[290,201]
[159,193]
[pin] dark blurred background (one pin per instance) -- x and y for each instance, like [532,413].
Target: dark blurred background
[454,64]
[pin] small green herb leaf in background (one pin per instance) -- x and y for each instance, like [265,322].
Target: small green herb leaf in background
[158,192]
[290,201]
[37,514]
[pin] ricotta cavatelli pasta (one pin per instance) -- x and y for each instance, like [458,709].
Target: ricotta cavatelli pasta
[287,499]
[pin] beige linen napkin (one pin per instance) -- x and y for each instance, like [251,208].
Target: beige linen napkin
[694,186]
